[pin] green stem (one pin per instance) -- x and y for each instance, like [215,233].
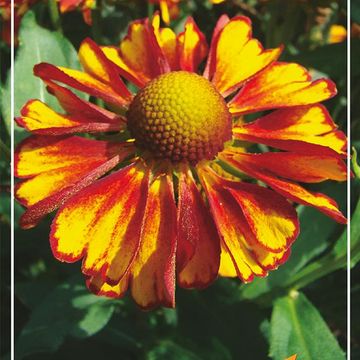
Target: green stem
[54,15]
[5,150]
[150,10]
[97,22]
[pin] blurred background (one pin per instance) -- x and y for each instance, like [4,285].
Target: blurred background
[300,308]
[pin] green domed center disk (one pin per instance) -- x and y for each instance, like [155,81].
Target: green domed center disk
[180,116]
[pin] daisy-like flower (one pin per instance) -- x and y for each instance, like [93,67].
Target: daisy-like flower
[84,5]
[179,200]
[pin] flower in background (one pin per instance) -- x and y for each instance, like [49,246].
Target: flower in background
[169,9]
[20,7]
[337,33]
[180,200]
[84,5]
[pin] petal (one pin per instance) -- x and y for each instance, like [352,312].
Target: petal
[281,85]
[167,41]
[287,188]
[141,54]
[153,271]
[238,56]
[81,81]
[102,223]
[229,221]
[57,168]
[306,129]
[271,218]
[113,54]
[39,118]
[98,65]
[211,60]
[83,109]
[300,167]
[192,46]
[198,251]
[226,268]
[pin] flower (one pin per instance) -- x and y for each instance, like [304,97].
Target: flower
[84,5]
[169,9]
[180,202]
[20,7]
[337,33]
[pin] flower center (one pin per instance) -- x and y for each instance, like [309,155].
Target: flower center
[180,116]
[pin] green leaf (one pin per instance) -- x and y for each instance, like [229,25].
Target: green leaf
[36,45]
[298,328]
[355,164]
[68,310]
[167,349]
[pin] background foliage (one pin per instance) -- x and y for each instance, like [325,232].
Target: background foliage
[300,308]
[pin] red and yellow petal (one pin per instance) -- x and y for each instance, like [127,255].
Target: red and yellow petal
[167,41]
[81,108]
[153,271]
[56,168]
[192,46]
[238,56]
[299,167]
[151,276]
[98,65]
[281,85]
[287,188]
[81,81]
[198,250]
[230,222]
[39,118]
[102,223]
[140,53]
[305,129]
[271,218]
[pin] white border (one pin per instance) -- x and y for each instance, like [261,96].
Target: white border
[348,274]
[12,245]
[12,237]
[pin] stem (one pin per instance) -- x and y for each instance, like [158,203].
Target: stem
[97,22]
[4,149]
[150,10]
[55,16]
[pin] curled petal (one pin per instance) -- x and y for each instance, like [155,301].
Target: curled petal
[167,41]
[57,168]
[39,118]
[192,46]
[153,271]
[82,81]
[140,53]
[102,223]
[237,56]
[151,276]
[299,167]
[306,129]
[287,188]
[271,218]
[198,251]
[230,222]
[281,85]
[98,65]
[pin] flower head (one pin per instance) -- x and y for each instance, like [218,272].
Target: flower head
[178,198]
[20,8]
[84,5]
